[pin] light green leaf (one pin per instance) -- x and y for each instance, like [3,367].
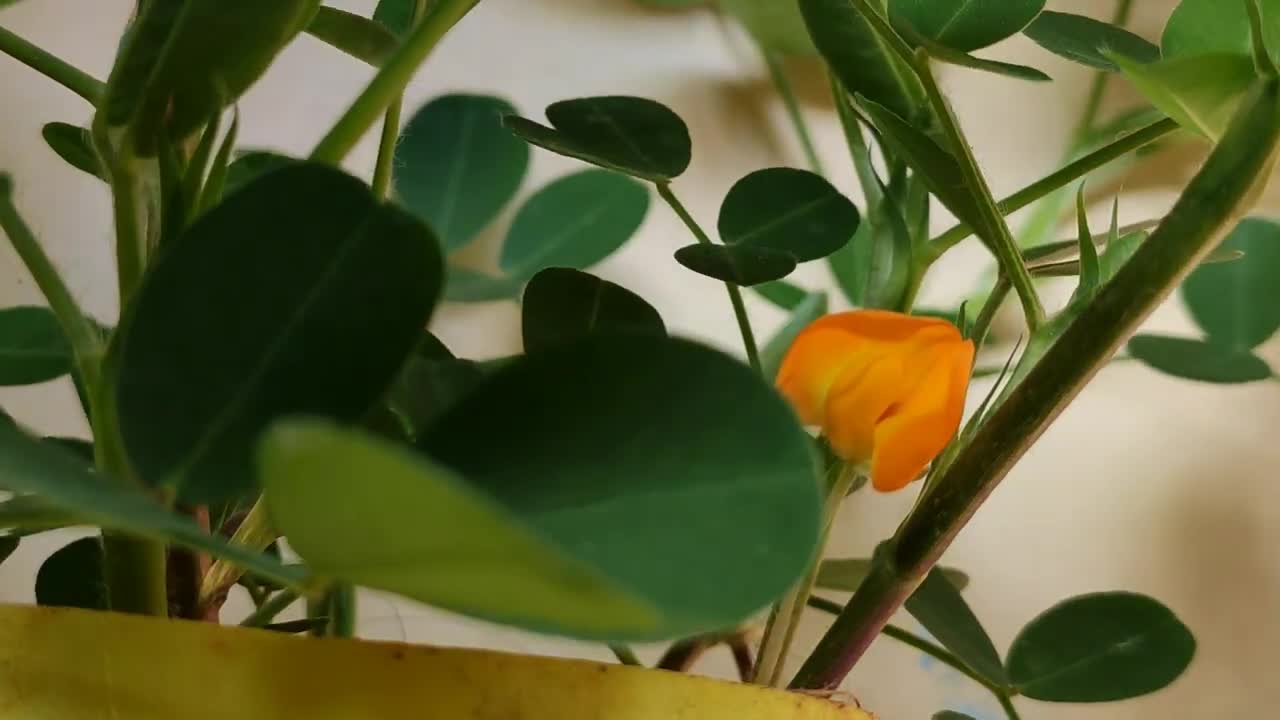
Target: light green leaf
[1199,360]
[1100,648]
[632,135]
[811,308]
[357,36]
[1087,41]
[1238,304]
[457,167]
[965,25]
[777,26]
[1199,92]
[574,222]
[1201,27]
[561,305]
[782,293]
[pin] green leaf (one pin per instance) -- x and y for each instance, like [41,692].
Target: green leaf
[32,346]
[1100,648]
[562,305]
[782,293]
[777,26]
[430,382]
[251,165]
[184,61]
[63,481]
[8,544]
[73,576]
[467,285]
[74,144]
[629,134]
[951,715]
[357,36]
[575,222]
[456,167]
[1199,92]
[1200,27]
[1085,40]
[995,67]
[861,57]
[811,308]
[1237,304]
[1199,360]
[794,211]
[340,288]
[846,574]
[738,264]
[965,25]
[1090,266]
[939,607]
[395,15]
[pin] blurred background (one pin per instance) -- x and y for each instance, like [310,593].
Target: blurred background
[1146,483]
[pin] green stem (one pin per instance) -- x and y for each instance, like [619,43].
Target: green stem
[997,234]
[858,152]
[779,633]
[1060,179]
[982,325]
[135,572]
[342,611]
[778,74]
[385,164]
[735,295]
[277,604]
[1208,208]
[51,66]
[1006,703]
[390,81]
[625,655]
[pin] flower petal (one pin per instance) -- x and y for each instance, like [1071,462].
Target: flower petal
[814,361]
[858,400]
[883,325]
[915,432]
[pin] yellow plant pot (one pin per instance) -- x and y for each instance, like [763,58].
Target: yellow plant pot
[61,664]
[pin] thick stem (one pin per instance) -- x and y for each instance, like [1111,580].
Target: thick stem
[51,66]
[135,571]
[1209,207]
[778,74]
[342,611]
[735,295]
[390,81]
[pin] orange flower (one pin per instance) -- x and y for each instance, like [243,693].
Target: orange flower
[887,389]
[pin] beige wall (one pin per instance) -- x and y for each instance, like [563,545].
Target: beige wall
[1145,483]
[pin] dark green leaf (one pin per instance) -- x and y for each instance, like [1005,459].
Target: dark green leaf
[82,449]
[1100,648]
[64,482]
[251,165]
[73,577]
[587,452]
[1200,92]
[1200,27]
[357,36]
[7,545]
[395,15]
[965,24]
[777,26]
[340,288]
[1199,360]
[466,285]
[562,305]
[28,514]
[737,264]
[861,57]
[846,574]
[1237,304]
[32,346]
[456,167]
[631,135]
[781,293]
[430,382]
[951,715]
[184,61]
[74,144]
[940,608]
[574,222]
[795,211]
[811,308]
[1083,39]
[973,62]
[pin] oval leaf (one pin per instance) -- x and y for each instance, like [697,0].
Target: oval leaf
[795,211]
[943,612]
[1198,360]
[74,144]
[561,305]
[574,222]
[846,574]
[73,577]
[1200,27]
[777,26]
[629,134]
[737,264]
[1237,304]
[300,294]
[1100,648]
[1087,41]
[965,24]
[587,452]
[456,167]
[430,382]
[1199,92]
[357,36]
[32,346]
